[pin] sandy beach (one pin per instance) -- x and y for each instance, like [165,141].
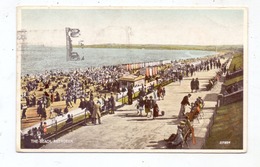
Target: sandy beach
[127,130]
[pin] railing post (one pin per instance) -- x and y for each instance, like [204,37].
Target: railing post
[220,100]
[56,128]
[123,98]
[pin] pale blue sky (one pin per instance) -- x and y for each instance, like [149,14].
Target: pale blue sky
[135,26]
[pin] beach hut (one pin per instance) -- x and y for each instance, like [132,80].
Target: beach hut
[130,79]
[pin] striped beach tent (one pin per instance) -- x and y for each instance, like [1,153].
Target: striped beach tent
[147,73]
[151,71]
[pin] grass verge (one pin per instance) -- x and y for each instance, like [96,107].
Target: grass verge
[227,130]
[237,62]
[233,80]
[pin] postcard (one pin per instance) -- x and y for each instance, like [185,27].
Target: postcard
[131,79]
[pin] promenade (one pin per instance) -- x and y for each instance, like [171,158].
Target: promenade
[126,130]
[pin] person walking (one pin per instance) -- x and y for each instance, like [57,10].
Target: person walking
[52,98]
[192,85]
[180,78]
[23,108]
[149,105]
[90,106]
[155,109]
[112,103]
[130,95]
[197,84]
[163,93]
[159,92]
[96,113]
[184,103]
[139,106]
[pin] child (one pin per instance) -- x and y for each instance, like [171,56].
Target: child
[139,106]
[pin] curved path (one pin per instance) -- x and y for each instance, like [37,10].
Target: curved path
[126,130]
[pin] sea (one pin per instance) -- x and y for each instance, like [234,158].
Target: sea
[38,59]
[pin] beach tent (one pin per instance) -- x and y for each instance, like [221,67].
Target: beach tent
[130,79]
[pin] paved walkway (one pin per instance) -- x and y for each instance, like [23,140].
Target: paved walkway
[126,130]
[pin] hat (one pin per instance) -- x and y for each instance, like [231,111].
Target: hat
[189,94]
[151,97]
[146,97]
[182,123]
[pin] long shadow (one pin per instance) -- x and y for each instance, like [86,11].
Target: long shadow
[204,89]
[205,108]
[33,118]
[187,79]
[161,144]
[204,85]
[149,119]
[128,115]
[203,79]
[185,92]
[211,97]
[126,110]
[175,121]
[30,121]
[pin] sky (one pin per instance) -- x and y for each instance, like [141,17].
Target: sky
[134,26]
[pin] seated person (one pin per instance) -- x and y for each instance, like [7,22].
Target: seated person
[82,104]
[200,102]
[57,111]
[69,120]
[66,110]
[28,140]
[178,140]
[155,109]
[195,110]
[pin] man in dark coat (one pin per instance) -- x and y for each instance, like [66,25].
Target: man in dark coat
[82,104]
[24,108]
[149,103]
[130,95]
[192,85]
[180,78]
[112,103]
[155,109]
[197,84]
[184,103]
[90,106]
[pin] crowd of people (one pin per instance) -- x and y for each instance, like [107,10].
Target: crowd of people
[35,136]
[86,85]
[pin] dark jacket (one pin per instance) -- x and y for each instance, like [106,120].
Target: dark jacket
[185,100]
[149,104]
[197,84]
